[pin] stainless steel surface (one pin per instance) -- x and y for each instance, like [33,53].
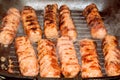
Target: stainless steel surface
[109,11]
[73,4]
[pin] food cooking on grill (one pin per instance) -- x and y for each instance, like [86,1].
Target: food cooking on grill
[9,26]
[111,55]
[67,27]
[61,52]
[95,21]
[68,59]
[51,21]
[27,59]
[90,63]
[47,59]
[31,25]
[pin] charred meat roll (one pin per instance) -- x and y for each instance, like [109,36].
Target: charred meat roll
[68,58]
[67,27]
[9,26]
[27,59]
[47,59]
[51,21]
[90,64]
[111,55]
[31,25]
[95,21]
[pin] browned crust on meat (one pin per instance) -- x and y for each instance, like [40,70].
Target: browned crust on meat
[112,55]
[90,63]
[68,59]
[95,21]
[30,23]
[67,26]
[51,21]
[9,26]
[47,59]
[27,59]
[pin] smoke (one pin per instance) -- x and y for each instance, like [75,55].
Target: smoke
[112,20]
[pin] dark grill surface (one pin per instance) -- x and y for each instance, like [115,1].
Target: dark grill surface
[83,32]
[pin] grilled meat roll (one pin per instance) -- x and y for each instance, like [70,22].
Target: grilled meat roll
[68,59]
[51,21]
[95,21]
[9,26]
[111,55]
[67,26]
[31,25]
[90,64]
[27,59]
[47,59]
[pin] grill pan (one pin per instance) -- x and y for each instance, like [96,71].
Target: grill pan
[109,10]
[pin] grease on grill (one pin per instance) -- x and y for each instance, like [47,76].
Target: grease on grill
[2,59]
[3,67]
[10,66]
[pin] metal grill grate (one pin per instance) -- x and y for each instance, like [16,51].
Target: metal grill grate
[82,30]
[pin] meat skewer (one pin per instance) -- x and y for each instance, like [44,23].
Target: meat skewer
[67,26]
[90,64]
[68,59]
[9,26]
[31,25]
[51,21]
[27,59]
[47,59]
[95,21]
[111,55]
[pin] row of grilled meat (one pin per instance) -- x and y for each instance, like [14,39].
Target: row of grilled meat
[46,61]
